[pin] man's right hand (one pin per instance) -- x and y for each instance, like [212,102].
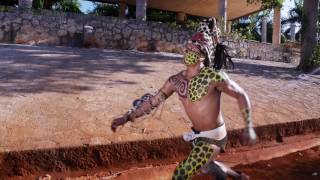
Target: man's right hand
[118,122]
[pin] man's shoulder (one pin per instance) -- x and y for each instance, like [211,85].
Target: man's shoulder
[177,76]
[224,75]
[214,75]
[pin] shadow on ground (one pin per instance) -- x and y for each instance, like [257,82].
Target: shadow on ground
[31,69]
[265,70]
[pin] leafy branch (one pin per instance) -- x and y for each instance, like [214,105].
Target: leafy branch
[266,4]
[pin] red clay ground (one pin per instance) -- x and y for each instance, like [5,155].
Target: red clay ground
[56,106]
[162,169]
[56,97]
[304,165]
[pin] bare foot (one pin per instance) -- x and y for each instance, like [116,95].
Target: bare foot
[45,177]
[243,176]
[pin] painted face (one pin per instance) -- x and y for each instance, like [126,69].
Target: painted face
[191,58]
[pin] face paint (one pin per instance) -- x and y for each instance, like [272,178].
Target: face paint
[191,58]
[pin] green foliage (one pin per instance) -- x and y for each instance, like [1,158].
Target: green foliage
[67,6]
[295,17]
[266,4]
[9,2]
[295,13]
[37,4]
[315,59]
[249,27]
[160,15]
[235,35]
[5,8]
[191,24]
[106,9]
[188,24]
[168,17]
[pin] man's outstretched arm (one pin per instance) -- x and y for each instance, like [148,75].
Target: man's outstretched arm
[145,106]
[234,90]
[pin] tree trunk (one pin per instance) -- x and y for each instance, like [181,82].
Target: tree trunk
[309,33]
[25,4]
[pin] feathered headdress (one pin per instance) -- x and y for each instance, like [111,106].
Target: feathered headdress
[204,42]
[205,39]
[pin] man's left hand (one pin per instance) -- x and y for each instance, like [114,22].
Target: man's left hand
[249,137]
[118,122]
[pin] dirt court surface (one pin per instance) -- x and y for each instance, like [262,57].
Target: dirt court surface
[304,165]
[297,158]
[57,104]
[57,97]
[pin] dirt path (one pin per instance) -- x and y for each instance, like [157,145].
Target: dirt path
[262,161]
[50,93]
[56,106]
[304,165]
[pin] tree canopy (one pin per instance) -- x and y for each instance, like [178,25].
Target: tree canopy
[268,3]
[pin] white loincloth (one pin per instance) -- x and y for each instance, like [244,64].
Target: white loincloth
[216,134]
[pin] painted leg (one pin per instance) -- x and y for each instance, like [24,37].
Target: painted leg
[219,170]
[200,155]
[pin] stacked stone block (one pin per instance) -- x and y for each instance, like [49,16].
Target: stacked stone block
[54,28]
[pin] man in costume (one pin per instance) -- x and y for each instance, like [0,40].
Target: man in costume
[199,88]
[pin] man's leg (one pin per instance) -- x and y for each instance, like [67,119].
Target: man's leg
[200,155]
[214,170]
[220,171]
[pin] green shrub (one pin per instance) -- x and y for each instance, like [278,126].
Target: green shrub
[315,59]
[37,4]
[106,10]
[8,2]
[67,6]
[266,4]
[5,9]
[160,15]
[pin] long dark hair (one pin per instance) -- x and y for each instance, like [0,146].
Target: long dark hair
[222,59]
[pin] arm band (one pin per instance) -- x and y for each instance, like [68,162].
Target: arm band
[247,116]
[145,105]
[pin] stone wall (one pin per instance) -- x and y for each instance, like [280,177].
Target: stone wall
[248,49]
[76,30]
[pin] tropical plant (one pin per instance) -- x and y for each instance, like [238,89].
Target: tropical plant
[266,4]
[9,2]
[295,14]
[191,22]
[250,27]
[37,4]
[160,15]
[47,4]
[105,9]
[315,59]
[295,17]
[67,6]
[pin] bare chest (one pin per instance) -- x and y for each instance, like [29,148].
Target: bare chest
[198,87]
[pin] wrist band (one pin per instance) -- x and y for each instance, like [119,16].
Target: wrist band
[246,113]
